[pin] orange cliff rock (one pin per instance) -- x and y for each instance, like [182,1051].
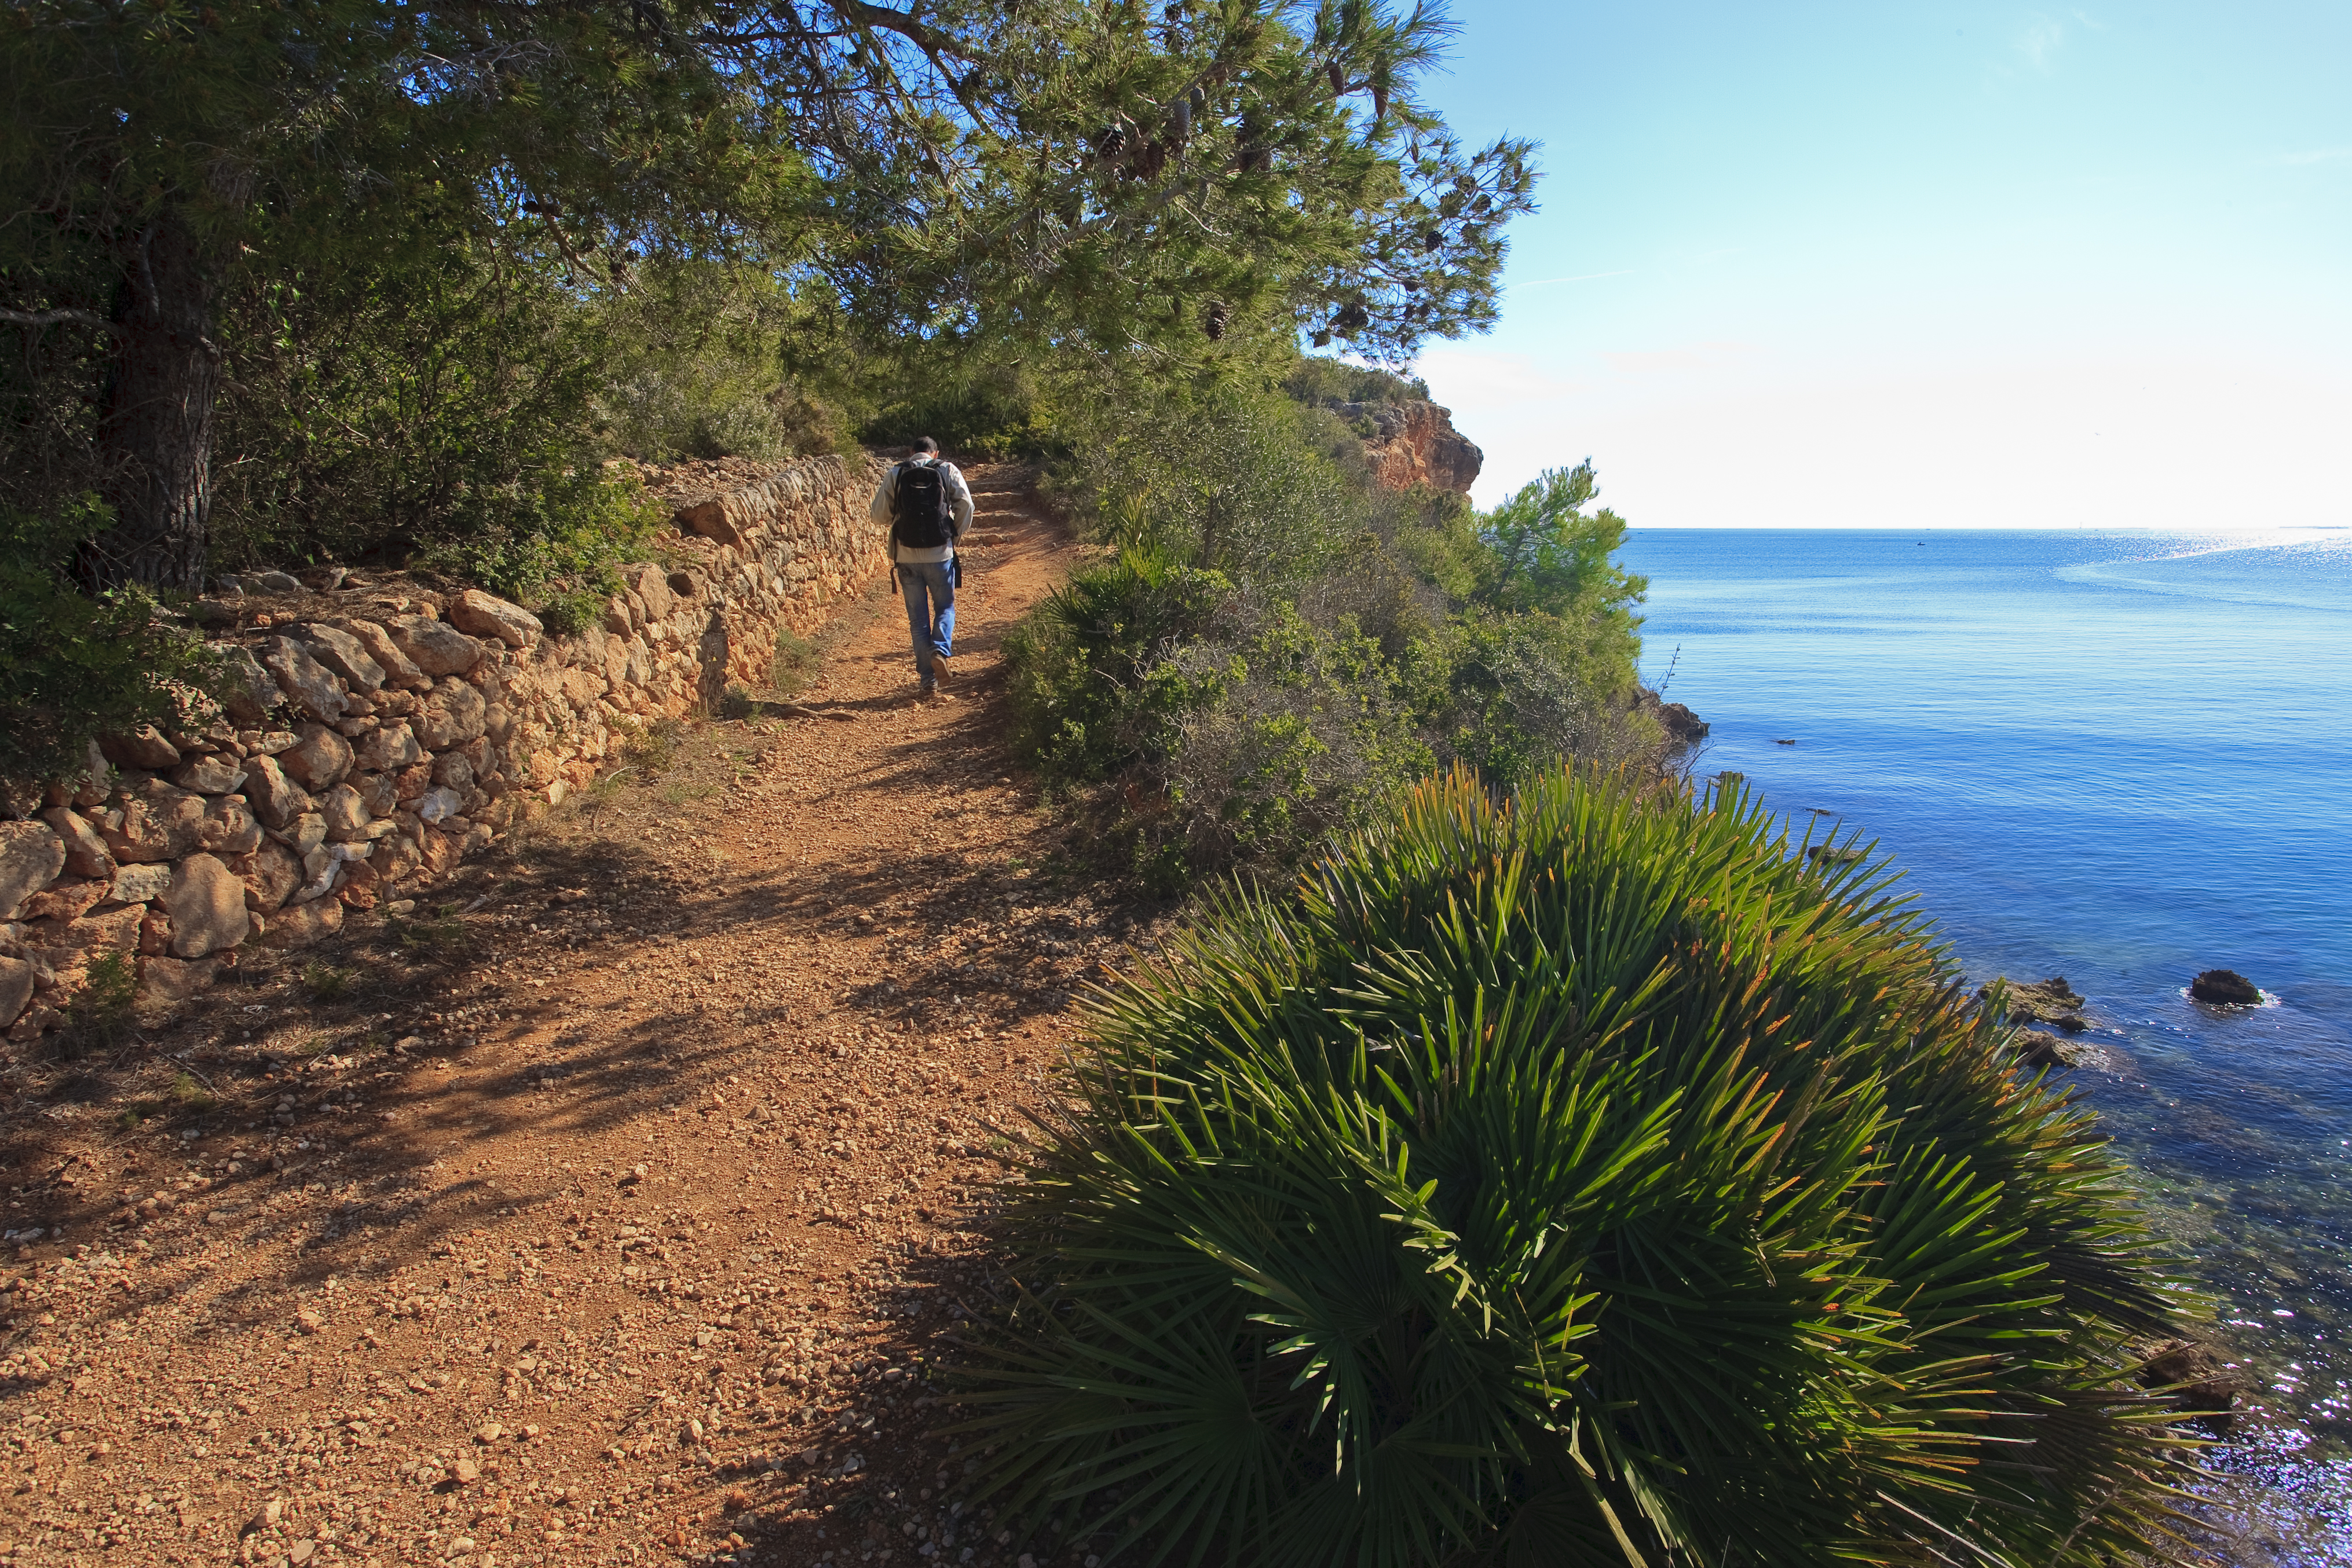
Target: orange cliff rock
[1415,443]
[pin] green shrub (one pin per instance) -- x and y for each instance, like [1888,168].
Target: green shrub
[1278,645]
[380,407]
[795,663]
[1327,383]
[697,367]
[103,1012]
[328,982]
[74,665]
[190,1095]
[1576,1179]
[1246,483]
[650,749]
[1095,686]
[559,550]
[1301,735]
[1546,552]
[1238,732]
[969,402]
[1512,695]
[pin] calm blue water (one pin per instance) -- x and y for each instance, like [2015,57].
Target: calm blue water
[2121,759]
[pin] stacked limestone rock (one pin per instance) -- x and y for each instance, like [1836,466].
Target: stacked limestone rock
[1414,444]
[361,750]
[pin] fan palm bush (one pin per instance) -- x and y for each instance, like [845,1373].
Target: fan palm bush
[1580,1179]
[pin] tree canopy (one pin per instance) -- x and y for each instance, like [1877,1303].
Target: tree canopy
[1094,172]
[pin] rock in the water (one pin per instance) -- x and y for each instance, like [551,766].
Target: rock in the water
[2196,1375]
[2038,1048]
[2225,987]
[2053,1002]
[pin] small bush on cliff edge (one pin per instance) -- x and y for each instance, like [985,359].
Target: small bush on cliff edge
[1580,1179]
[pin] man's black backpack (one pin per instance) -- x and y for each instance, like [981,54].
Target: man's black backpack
[921,515]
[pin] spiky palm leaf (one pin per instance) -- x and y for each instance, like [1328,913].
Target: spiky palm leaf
[1585,1179]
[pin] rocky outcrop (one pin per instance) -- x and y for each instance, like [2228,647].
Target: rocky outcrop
[2053,1002]
[2194,1375]
[1414,444]
[370,735]
[1681,728]
[2225,987]
[2039,1047]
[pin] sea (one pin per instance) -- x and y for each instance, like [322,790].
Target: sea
[2121,759]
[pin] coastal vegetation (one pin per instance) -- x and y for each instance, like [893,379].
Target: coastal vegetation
[1271,645]
[368,281]
[1575,1177]
[1555,1167]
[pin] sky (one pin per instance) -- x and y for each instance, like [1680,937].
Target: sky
[1919,266]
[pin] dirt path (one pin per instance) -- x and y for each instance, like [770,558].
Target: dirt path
[608,1208]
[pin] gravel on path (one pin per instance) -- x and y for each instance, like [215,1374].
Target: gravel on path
[610,1206]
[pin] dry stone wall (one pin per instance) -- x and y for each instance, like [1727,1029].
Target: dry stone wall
[374,732]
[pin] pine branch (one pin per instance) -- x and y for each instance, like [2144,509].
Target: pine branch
[55,318]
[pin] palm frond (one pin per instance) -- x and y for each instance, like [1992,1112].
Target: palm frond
[1579,1178]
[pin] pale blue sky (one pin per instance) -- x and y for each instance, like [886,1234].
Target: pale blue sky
[1937,265]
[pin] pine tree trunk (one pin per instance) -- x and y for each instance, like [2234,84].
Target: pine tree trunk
[155,437]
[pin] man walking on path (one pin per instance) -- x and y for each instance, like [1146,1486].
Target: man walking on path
[928,506]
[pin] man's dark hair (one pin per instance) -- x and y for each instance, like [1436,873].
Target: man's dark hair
[925,445]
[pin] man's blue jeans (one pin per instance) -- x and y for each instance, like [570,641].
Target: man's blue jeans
[929,588]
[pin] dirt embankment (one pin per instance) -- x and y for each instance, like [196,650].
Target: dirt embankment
[608,1207]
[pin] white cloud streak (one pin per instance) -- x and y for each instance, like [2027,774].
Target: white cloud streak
[2039,44]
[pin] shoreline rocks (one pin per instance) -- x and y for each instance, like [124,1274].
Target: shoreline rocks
[2052,1002]
[2196,1375]
[2225,989]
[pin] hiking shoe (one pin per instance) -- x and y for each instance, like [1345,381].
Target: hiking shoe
[927,688]
[940,663]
